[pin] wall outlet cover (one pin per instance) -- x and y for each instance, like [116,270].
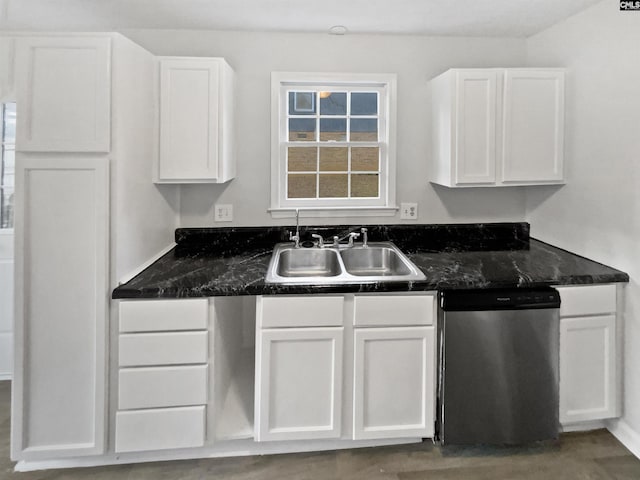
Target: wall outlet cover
[408,211]
[223,213]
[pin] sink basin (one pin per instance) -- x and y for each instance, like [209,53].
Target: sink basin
[379,262]
[308,262]
[374,261]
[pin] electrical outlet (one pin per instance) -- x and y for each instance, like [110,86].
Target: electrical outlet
[223,213]
[408,211]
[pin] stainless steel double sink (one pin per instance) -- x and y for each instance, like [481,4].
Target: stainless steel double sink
[376,262]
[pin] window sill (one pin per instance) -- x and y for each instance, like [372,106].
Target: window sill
[331,212]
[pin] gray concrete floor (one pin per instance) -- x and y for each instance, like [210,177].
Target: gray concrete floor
[579,456]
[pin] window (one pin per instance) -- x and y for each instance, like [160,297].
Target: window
[7,163]
[333,144]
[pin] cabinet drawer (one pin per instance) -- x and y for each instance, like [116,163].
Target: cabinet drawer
[587,300]
[162,387]
[160,429]
[381,310]
[300,311]
[143,349]
[162,315]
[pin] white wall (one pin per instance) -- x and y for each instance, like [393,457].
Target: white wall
[597,214]
[144,215]
[415,59]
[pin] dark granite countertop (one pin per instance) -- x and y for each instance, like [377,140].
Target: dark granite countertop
[233,261]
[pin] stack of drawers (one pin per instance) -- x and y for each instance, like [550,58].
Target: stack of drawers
[162,380]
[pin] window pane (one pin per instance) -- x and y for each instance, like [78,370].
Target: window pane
[334,159]
[9,123]
[301,186]
[332,186]
[333,129]
[6,207]
[302,103]
[333,103]
[302,129]
[365,159]
[364,103]
[364,185]
[364,130]
[302,159]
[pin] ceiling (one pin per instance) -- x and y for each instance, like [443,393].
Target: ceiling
[508,18]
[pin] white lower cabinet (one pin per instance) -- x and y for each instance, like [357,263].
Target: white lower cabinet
[587,368]
[299,389]
[394,371]
[589,380]
[382,346]
[162,381]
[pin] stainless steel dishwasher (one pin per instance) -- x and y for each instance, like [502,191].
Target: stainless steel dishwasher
[498,376]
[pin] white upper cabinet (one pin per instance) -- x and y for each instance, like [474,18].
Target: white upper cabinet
[533,140]
[196,121]
[64,100]
[498,127]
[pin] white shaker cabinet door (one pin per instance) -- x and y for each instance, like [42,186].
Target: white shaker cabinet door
[298,383]
[475,126]
[533,139]
[587,368]
[61,310]
[394,382]
[196,121]
[63,88]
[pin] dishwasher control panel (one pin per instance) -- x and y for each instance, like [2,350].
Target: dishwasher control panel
[499,299]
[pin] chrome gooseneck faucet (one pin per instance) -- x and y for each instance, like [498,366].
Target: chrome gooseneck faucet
[296,238]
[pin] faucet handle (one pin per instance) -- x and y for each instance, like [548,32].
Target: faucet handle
[319,238]
[352,237]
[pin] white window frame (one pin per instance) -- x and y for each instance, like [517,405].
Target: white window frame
[385,85]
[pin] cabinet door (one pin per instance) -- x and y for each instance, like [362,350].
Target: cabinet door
[587,368]
[189,105]
[475,125]
[533,139]
[61,307]
[63,90]
[298,384]
[394,382]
